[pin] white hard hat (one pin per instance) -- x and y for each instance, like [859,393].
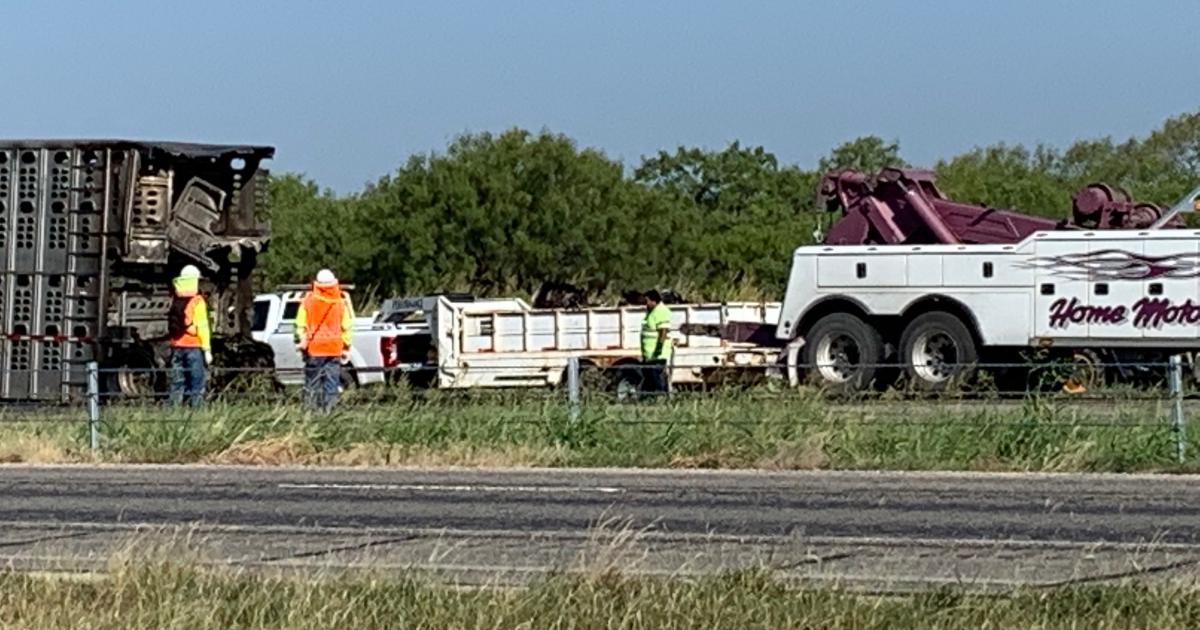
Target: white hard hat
[189,271]
[326,276]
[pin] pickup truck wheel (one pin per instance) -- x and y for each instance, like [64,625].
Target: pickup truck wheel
[843,352]
[346,379]
[937,349]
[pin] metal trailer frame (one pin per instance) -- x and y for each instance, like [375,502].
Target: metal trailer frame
[506,343]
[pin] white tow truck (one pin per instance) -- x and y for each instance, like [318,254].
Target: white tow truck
[507,343]
[1113,287]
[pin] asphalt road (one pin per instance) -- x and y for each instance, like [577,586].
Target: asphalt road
[889,529]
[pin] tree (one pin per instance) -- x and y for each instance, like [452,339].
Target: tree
[1171,158]
[1007,176]
[500,214]
[743,215]
[868,154]
[309,229]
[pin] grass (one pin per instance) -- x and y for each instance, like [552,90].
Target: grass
[731,429]
[181,595]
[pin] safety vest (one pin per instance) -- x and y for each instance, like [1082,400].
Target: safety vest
[657,319]
[323,322]
[193,332]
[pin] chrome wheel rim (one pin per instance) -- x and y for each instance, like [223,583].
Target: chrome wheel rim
[935,357]
[838,358]
[135,382]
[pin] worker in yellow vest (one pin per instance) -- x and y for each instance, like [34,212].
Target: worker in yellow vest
[191,339]
[324,325]
[656,344]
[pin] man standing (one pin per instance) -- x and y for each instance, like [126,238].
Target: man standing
[656,343]
[191,340]
[323,328]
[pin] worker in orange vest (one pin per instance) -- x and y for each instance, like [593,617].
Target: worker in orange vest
[191,339]
[324,325]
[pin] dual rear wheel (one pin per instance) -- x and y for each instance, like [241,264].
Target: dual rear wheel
[845,353]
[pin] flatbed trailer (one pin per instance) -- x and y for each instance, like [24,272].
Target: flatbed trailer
[507,343]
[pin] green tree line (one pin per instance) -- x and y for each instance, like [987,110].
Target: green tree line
[510,213]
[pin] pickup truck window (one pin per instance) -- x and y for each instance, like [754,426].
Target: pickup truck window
[289,311]
[405,317]
[262,308]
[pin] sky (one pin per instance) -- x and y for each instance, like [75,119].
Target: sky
[347,91]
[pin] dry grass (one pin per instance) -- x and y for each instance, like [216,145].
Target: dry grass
[273,451]
[807,454]
[35,450]
[33,446]
[297,449]
[178,594]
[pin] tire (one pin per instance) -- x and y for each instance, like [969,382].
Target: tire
[937,349]
[842,353]
[625,382]
[591,378]
[1085,373]
[136,374]
[347,379]
[1082,370]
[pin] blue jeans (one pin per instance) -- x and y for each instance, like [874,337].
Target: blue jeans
[187,375]
[322,376]
[654,376]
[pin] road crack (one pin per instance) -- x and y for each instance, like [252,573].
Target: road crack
[810,560]
[332,550]
[1119,575]
[50,537]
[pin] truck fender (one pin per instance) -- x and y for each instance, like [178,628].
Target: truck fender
[817,309]
[357,365]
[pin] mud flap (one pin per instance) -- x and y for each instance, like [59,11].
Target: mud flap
[792,361]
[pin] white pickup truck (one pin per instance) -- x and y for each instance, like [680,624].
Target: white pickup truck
[372,351]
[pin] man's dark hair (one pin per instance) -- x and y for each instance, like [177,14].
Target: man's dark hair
[653,295]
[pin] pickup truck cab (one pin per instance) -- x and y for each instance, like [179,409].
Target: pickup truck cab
[274,323]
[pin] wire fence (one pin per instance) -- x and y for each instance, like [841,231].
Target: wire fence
[1148,394]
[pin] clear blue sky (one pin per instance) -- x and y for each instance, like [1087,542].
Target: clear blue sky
[348,90]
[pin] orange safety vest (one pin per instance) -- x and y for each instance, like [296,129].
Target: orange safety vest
[324,325]
[191,334]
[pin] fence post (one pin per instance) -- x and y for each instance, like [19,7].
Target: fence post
[93,403]
[1176,381]
[573,389]
[669,376]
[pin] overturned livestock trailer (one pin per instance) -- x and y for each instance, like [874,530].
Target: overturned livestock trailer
[91,233]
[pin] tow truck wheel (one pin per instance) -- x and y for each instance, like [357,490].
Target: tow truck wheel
[842,352]
[937,349]
[1087,372]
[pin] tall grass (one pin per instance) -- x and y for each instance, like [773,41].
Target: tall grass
[727,430]
[177,595]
